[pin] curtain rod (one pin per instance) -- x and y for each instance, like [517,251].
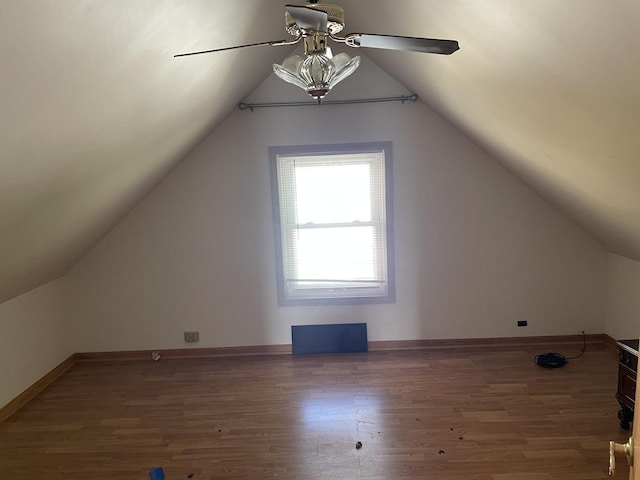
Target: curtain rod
[251,106]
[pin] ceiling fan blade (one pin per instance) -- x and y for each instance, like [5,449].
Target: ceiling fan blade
[273,43]
[308,18]
[409,44]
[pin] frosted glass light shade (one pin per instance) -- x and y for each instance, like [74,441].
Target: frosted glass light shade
[316,73]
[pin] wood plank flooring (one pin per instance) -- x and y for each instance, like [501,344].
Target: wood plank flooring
[433,414]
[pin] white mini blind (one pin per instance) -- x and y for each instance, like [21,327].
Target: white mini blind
[333,225]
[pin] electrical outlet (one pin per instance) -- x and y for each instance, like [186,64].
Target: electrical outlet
[191,337]
[522,323]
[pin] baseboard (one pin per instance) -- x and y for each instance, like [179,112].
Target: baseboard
[174,353]
[610,342]
[480,343]
[212,352]
[379,345]
[34,390]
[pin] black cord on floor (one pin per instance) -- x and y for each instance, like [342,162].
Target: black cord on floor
[557,360]
[584,347]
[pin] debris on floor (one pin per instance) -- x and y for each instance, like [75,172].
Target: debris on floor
[358,445]
[155,356]
[441,452]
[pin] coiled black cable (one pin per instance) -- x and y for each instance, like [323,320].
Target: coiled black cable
[557,360]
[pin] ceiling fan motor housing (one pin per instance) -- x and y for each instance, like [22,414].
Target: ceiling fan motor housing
[335,22]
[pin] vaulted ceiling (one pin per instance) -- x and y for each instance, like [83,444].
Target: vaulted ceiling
[94,109]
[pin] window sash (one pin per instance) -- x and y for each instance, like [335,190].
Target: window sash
[295,280]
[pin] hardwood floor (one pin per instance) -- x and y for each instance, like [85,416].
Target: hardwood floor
[434,414]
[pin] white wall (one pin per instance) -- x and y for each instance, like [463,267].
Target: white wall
[476,249]
[34,338]
[623,298]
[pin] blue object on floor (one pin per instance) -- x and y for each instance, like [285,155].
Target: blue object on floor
[157,474]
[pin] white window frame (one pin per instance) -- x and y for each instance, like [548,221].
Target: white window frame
[295,291]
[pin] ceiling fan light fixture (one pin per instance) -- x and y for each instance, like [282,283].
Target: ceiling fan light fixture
[316,73]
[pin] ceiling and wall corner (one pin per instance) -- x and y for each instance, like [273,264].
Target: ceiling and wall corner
[95,111]
[551,90]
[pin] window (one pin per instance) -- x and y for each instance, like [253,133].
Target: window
[332,211]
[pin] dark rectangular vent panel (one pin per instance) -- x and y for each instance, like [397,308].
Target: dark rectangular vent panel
[339,338]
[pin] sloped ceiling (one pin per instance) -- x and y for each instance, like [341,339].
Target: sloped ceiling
[94,109]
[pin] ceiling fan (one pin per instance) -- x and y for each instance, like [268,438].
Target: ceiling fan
[319,70]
